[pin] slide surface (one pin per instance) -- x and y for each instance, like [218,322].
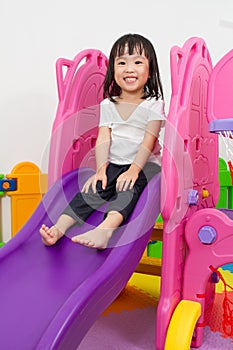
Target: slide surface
[50,296]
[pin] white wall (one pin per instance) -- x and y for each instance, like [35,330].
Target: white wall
[35,33]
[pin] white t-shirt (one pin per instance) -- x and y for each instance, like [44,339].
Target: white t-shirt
[127,135]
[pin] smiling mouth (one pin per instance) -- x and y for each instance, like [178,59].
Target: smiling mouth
[130,79]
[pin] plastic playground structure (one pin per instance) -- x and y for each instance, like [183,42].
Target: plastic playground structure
[60,291]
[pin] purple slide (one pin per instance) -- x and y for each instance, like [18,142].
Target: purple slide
[50,296]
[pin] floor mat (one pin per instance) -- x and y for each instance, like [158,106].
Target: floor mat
[129,322]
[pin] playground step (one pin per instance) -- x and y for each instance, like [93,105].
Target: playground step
[150,265]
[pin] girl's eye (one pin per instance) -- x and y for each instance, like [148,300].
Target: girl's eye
[121,62]
[138,62]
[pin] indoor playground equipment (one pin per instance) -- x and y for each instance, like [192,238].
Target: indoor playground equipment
[197,237]
[56,293]
[52,295]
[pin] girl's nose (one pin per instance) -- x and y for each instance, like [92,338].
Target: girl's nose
[129,67]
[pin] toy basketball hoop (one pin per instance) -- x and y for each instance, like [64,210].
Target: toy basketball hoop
[224,128]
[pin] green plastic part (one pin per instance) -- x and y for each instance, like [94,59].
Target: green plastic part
[1,177]
[226,189]
[154,249]
[159,218]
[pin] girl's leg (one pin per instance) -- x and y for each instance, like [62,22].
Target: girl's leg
[119,210]
[80,208]
[100,236]
[50,235]
[84,204]
[125,201]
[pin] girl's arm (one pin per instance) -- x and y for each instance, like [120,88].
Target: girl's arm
[102,148]
[102,152]
[128,178]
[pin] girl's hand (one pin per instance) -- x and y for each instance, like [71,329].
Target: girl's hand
[127,179]
[92,181]
[88,184]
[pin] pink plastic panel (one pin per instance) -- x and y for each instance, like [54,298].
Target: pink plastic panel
[190,165]
[220,91]
[76,124]
[188,145]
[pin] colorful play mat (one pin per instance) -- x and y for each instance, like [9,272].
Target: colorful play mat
[129,322]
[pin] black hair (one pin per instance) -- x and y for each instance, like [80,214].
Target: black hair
[153,87]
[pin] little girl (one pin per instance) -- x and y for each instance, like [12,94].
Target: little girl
[127,147]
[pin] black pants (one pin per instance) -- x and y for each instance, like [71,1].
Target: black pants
[83,204]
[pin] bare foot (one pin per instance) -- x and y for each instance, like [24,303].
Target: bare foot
[97,238]
[50,235]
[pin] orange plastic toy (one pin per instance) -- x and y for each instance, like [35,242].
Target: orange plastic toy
[31,186]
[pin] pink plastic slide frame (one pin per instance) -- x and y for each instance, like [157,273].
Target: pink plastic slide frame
[190,165]
[75,127]
[196,235]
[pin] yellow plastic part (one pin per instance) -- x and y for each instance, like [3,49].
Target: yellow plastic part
[31,186]
[182,324]
[205,194]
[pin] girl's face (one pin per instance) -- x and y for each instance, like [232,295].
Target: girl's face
[131,73]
